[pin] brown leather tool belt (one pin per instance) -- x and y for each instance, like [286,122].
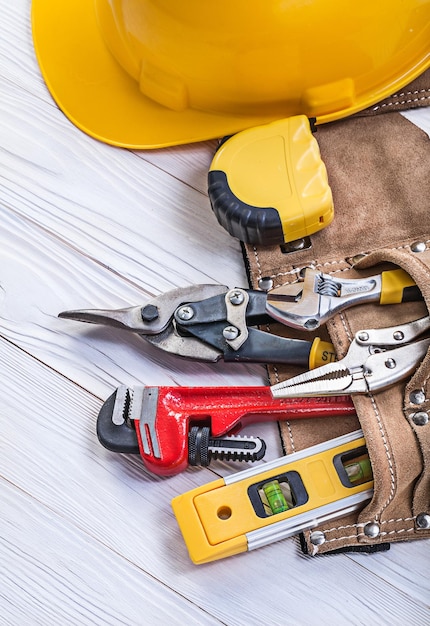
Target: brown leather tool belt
[378,166]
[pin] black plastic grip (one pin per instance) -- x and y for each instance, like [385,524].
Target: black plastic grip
[254,225]
[412,294]
[116,438]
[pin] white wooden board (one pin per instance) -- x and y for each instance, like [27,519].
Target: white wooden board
[88,536]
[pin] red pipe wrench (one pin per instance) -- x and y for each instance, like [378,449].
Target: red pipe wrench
[173,427]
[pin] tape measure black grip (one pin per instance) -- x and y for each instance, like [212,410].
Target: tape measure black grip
[255,225]
[268,185]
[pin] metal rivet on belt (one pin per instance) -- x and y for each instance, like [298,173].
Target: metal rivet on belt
[420,418]
[371,530]
[265,283]
[418,246]
[417,396]
[423,521]
[317,538]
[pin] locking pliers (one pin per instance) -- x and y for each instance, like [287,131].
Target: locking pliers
[376,359]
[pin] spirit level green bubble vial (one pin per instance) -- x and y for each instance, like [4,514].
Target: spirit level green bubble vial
[284,497]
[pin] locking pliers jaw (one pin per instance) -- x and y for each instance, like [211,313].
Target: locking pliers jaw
[376,359]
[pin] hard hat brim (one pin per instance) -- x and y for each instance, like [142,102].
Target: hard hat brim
[101,99]
[97,95]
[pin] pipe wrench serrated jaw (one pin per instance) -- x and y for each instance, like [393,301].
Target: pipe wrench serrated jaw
[114,431]
[164,425]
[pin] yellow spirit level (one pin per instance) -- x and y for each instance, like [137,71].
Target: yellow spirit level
[284,497]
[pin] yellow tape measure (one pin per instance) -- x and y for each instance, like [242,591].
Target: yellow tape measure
[268,185]
[264,504]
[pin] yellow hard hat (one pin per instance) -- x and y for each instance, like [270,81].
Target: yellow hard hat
[154,73]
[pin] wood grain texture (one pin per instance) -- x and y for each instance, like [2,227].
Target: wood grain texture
[88,536]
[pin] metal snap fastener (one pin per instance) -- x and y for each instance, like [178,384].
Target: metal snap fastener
[423,521]
[418,246]
[265,283]
[420,418]
[417,396]
[371,530]
[317,538]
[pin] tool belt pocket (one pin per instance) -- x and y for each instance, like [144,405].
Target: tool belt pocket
[378,169]
[395,423]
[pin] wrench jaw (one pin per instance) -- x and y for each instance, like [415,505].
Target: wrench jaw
[135,421]
[114,431]
[298,304]
[169,430]
[308,304]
